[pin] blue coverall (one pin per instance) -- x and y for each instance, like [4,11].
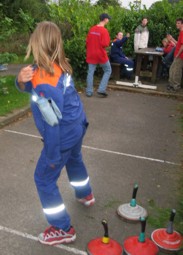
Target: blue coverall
[117,56]
[62,146]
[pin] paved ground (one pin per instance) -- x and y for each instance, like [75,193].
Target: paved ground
[132,138]
[160,84]
[12,69]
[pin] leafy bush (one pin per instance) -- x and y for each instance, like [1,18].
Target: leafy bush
[11,39]
[75,51]
[7,57]
[7,28]
[74,19]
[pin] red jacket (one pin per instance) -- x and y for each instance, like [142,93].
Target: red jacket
[97,40]
[178,45]
[169,47]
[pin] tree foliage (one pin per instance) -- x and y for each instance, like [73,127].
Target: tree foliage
[107,3]
[35,8]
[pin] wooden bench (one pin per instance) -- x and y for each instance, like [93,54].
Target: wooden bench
[116,70]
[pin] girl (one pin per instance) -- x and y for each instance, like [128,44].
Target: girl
[50,78]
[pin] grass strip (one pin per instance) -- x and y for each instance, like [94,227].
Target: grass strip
[10,97]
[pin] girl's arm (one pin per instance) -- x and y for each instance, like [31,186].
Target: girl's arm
[171,39]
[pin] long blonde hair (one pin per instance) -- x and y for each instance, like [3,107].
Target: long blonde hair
[46,46]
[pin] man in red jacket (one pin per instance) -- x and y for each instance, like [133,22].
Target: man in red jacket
[175,73]
[97,40]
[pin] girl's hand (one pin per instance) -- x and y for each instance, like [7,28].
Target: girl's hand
[25,74]
[169,37]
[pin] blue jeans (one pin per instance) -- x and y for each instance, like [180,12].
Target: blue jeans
[105,78]
[168,58]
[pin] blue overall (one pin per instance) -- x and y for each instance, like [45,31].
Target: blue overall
[117,56]
[62,147]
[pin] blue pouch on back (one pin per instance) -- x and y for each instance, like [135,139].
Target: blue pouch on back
[48,109]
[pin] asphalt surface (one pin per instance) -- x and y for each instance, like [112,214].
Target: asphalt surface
[132,138]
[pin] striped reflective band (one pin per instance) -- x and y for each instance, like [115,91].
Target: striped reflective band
[80,184]
[54,210]
[129,69]
[68,80]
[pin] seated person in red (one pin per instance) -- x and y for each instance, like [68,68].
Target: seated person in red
[117,55]
[168,49]
[167,59]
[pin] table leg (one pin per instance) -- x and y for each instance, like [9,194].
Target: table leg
[138,64]
[154,68]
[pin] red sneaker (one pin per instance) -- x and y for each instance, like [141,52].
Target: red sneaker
[88,200]
[53,235]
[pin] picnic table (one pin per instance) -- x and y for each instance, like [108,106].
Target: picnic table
[155,55]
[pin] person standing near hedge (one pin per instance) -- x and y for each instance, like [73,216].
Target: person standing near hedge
[175,72]
[141,36]
[97,41]
[141,39]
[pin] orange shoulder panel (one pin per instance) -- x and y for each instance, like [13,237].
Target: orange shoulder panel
[42,77]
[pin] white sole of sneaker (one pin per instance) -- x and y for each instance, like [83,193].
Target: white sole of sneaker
[55,242]
[90,203]
[87,203]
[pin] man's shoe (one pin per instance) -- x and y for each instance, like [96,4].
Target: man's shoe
[88,200]
[102,94]
[53,236]
[172,89]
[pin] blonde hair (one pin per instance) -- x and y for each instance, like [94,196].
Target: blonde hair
[46,46]
[165,40]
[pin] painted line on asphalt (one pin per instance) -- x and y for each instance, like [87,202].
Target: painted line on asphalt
[132,155]
[30,237]
[20,133]
[103,150]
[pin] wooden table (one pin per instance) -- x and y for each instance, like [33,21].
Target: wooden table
[148,52]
